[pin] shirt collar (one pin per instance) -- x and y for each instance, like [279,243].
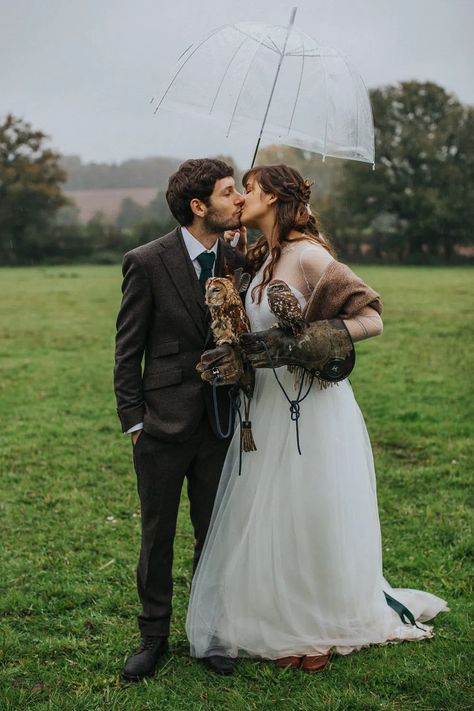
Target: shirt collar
[194,246]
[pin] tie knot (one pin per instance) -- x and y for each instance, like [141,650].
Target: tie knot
[206,260]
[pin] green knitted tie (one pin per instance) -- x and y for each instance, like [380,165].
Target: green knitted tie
[206,260]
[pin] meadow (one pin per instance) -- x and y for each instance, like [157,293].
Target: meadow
[69,516]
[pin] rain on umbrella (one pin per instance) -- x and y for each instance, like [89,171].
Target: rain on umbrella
[274,81]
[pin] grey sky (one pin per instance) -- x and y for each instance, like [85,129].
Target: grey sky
[85,70]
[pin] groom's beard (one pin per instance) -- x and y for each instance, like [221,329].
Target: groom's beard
[215,224]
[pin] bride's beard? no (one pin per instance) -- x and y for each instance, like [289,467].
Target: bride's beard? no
[214,223]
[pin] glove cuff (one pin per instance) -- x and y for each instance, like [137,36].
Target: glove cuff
[331,349]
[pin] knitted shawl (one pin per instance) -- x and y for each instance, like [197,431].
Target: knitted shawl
[340,293]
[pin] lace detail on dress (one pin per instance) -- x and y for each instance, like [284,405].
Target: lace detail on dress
[301,265]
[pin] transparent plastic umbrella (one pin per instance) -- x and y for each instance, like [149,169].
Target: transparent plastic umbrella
[274,82]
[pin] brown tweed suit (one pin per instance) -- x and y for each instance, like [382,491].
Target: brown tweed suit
[164,319]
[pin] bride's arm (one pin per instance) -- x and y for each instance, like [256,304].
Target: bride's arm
[313,262]
[366,324]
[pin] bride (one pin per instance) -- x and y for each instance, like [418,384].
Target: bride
[292,566]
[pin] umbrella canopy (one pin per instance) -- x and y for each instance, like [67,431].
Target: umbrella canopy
[257,78]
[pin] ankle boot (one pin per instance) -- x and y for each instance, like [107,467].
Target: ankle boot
[144,661]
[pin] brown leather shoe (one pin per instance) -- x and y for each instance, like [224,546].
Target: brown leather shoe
[315,664]
[288,662]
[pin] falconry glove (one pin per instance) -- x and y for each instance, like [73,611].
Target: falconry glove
[324,348]
[226,365]
[223,362]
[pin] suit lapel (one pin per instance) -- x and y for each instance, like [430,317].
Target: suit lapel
[177,263]
[176,260]
[225,258]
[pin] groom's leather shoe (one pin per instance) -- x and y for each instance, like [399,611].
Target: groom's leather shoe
[220,665]
[143,662]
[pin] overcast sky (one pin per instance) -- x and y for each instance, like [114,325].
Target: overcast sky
[84,70]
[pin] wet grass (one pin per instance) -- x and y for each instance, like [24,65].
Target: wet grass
[70,522]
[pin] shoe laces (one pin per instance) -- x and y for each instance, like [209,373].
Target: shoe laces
[150,642]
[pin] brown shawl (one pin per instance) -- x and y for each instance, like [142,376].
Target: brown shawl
[340,294]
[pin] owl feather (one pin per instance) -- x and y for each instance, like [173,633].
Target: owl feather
[286,307]
[228,317]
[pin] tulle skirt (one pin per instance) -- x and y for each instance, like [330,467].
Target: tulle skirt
[292,563]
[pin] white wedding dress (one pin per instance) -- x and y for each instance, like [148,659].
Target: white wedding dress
[292,563]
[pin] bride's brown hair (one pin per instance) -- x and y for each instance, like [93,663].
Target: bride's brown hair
[293,194]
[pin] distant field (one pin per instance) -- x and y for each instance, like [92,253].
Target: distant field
[108,201]
[69,515]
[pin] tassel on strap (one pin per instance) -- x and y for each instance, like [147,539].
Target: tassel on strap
[248,442]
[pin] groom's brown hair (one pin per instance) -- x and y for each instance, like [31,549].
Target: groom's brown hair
[194,178]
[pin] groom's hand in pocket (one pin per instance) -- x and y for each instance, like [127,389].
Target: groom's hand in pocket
[135,436]
[223,362]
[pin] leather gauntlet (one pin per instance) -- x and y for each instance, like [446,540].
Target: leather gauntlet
[324,347]
[224,362]
[229,365]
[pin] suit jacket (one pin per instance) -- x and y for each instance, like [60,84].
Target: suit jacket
[164,319]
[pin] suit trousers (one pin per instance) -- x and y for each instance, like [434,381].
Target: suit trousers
[161,468]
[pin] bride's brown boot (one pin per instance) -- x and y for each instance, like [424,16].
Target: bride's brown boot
[315,664]
[288,662]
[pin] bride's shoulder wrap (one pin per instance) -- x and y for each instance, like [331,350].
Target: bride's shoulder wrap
[340,293]
[325,347]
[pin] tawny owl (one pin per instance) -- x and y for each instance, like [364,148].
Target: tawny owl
[285,306]
[229,319]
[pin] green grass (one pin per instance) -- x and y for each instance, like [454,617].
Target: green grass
[70,521]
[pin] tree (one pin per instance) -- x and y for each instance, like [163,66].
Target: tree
[30,191]
[418,202]
[130,213]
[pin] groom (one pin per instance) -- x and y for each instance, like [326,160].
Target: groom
[166,407]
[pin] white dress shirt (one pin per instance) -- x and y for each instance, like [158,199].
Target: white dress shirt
[194,248]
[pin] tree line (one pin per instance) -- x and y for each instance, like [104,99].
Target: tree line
[417,206]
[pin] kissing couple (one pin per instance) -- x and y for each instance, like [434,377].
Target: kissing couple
[287,556]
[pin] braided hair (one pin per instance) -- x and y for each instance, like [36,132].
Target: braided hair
[293,194]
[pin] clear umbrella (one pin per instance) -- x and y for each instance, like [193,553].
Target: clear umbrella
[278,83]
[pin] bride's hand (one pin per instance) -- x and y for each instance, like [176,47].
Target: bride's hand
[237,239]
[324,347]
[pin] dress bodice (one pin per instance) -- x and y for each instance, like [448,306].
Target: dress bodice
[259,314]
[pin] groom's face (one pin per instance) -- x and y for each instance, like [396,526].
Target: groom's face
[225,207]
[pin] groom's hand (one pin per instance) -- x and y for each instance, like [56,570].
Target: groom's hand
[223,362]
[237,239]
[135,436]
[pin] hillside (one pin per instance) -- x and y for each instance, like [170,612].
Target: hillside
[101,187]
[133,173]
[108,201]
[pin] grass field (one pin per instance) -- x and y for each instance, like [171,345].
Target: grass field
[70,521]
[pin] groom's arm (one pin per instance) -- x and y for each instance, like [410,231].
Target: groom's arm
[132,327]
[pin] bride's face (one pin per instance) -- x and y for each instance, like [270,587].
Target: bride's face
[258,204]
